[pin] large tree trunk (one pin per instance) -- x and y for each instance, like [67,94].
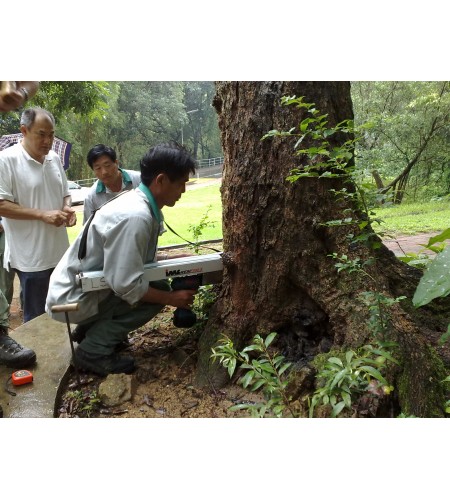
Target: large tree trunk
[278,274]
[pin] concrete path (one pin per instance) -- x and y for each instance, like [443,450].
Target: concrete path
[410,244]
[50,341]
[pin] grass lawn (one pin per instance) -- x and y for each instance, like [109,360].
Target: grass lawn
[189,211]
[191,208]
[413,218]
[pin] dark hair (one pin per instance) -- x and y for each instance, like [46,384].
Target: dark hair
[29,116]
[168,158]
[100,150]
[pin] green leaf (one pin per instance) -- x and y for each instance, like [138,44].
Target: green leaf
[445,336]
[278,359]
[266,367]
[262,411]
[304,124]
[252,347]
[385,354]
[278,410]
[347,399]
[231,367]
[336,361]
[337,409]
[240,406]
[270,338]
[258,384]
[339,376]
[284,368]
[375,374]
[445,235]
[247,378]
[435,281]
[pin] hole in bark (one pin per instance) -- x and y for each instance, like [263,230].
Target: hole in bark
[305,337]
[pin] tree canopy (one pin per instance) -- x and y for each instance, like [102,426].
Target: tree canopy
[407,147]
[129,116]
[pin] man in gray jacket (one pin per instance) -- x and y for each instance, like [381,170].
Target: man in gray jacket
[111,179]
[121,237]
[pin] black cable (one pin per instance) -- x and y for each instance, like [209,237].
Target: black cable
[190,242]
[6,387]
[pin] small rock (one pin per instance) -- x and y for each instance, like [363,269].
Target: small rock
[115,389]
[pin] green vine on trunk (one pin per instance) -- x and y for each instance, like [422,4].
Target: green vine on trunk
[341,377]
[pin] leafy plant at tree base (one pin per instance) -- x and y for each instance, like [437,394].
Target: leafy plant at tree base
[261,373]
[348,376]
[203,301]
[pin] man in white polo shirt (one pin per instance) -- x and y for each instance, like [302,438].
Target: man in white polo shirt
[35,206]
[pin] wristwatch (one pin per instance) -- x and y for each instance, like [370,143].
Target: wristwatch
[25,93]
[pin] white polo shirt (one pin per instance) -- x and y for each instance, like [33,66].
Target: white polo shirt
[33,245]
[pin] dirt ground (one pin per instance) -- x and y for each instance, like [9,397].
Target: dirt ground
[164,380]
[163,383]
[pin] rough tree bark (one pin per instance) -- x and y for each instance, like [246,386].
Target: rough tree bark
[278,274]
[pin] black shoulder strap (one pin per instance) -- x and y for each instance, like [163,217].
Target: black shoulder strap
[83,242]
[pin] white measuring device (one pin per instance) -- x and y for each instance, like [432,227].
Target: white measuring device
[210,266]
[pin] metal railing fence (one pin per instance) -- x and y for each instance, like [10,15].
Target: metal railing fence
[210,162]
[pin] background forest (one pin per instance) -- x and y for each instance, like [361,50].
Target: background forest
[404,151]
[129,116]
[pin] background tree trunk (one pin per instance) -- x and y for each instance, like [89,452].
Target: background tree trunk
[278,274]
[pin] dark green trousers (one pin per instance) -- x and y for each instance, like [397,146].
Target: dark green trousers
[115,319]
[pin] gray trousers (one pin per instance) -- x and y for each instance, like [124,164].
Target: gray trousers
[6,286]
[115,319]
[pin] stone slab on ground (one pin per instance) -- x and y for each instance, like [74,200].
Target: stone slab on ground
[49,339]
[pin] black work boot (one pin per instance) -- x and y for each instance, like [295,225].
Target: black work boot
[79,333]
[12,354]
[103,365]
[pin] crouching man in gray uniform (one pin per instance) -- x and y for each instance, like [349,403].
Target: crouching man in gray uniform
[121,238]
